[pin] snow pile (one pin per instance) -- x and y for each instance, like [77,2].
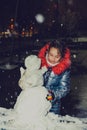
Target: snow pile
[31,111]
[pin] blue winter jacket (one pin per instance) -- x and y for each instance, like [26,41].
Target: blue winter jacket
[58,84]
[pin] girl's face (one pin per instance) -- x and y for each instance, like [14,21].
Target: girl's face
[54,55]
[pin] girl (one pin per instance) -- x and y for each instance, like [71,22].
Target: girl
[56,58]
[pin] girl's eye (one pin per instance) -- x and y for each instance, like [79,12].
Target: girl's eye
[58,53]
[57,56]
[50,54]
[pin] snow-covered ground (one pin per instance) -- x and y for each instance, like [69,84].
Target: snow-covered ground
[49,122]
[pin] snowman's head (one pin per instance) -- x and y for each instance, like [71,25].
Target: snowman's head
[32,62]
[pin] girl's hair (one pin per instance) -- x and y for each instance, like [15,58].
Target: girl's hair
[59,45]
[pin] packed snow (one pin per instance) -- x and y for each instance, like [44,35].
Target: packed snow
[31,110]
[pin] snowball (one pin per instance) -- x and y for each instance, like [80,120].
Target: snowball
[39,18]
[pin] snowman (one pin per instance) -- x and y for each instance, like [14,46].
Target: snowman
[32,104]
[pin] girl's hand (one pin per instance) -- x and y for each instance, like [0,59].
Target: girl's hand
[50,96]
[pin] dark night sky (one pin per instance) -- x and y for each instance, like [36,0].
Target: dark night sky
[27,9]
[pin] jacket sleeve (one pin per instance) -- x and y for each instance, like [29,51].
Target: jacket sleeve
[64,86]
[64,63]
[59,85]
[42,54]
